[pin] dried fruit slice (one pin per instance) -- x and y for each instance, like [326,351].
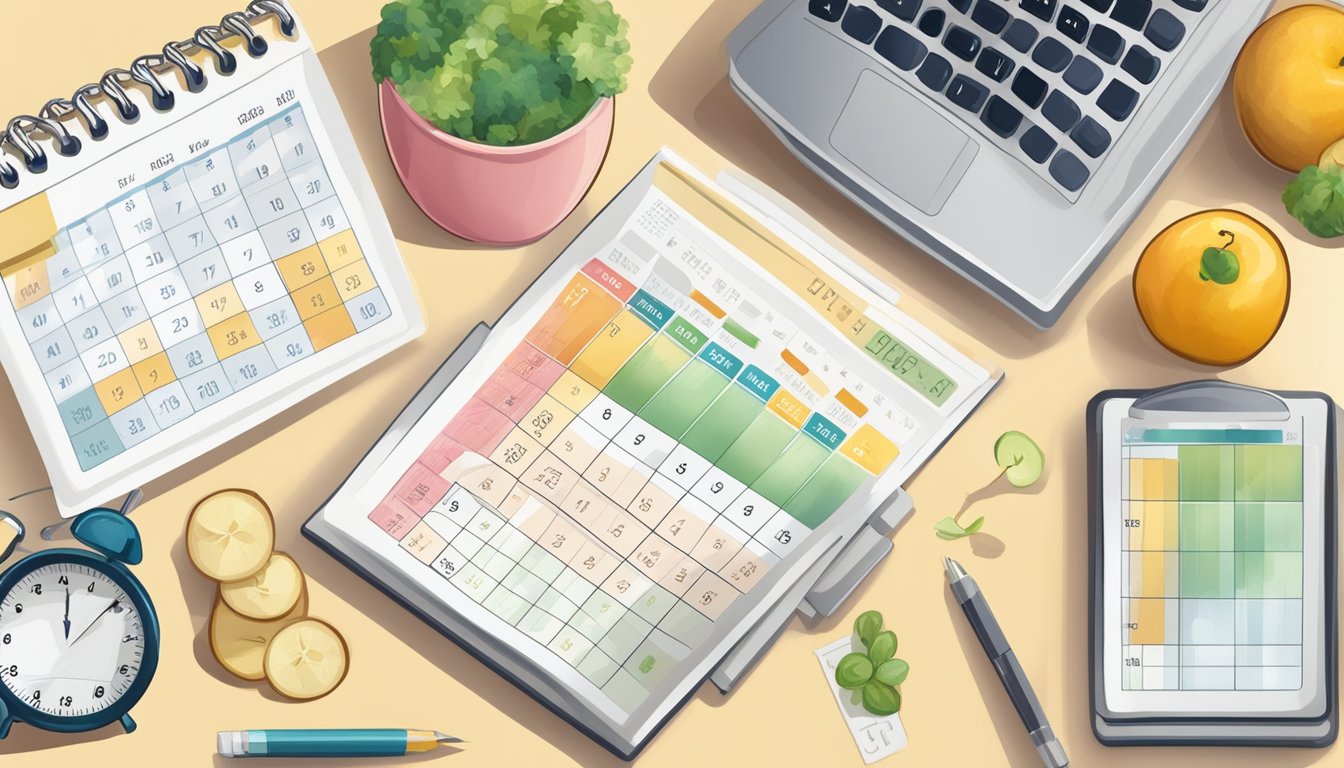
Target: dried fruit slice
[239,643]
[230,535]
[306,660]
[268,593]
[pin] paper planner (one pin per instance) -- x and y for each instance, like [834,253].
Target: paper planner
[661,434]
[185,278]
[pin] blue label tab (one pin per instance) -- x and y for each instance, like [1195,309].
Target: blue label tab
[824,430]
[758,383]
[719,357]
[653,311]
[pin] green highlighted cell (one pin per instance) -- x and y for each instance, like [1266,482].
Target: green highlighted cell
[757,448]
[794,467]
[740,333]
[1206,526]
[1274,526]
[684,398]
[824,492]
[646,372]
[687,335]
[722,423]
[1269,472]
[1206,473]
[1206,574]
[1269,574]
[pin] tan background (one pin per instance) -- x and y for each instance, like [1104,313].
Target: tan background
[404,674]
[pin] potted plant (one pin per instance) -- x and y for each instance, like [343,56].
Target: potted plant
[498,113]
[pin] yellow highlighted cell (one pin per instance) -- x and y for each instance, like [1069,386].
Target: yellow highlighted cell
[1161,480]
[233,336]
[340,249]
[154,372]
[301,268]
[316,298]
[789,408]
[572,392]
[329,327]
[1156,526]
[354,279]
[140,342]
[711,307]
[1147,622]
[219,304]
[118,391]
[579,313]
[546,419]
[29,283]
[870,449]
[606,354]
[845,398]
[26,230]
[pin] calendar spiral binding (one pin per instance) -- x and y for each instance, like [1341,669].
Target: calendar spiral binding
[19,134]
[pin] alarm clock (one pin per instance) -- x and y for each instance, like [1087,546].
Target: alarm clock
[79,639]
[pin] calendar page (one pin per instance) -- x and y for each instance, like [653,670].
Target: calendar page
[228,259]
[656,441]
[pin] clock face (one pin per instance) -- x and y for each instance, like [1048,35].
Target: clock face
[71,640]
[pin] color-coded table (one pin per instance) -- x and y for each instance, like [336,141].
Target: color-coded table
[192,287]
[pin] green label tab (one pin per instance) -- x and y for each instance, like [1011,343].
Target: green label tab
[687,335]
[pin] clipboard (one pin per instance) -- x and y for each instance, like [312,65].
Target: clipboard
[1203,498]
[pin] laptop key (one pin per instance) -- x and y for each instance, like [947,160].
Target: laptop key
[1141,65]
[990,16]
[1041,9]
[935,72]
[1073,24]
[1037,144]
[861,23]
[1192,5]
[1051,55]
[931,23]
[1001,117]
[1061,111]
[1118,100]
[1164,30]
[1030,88]
[830,10]
[1100,6]
[962,43]
[1105,43]
[1091,137]
[1132,13]
[1082,75]
[1020,35]
[966,93]
[1068,170]
[960,5]
[900,48]
[994,65]
[904,10]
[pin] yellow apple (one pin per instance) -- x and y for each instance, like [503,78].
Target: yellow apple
[1288,85]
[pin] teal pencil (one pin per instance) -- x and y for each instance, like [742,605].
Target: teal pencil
[336,742]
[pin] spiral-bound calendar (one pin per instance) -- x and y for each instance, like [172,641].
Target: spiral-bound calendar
[188,246]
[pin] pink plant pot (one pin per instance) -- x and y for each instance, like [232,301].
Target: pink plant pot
[489,194]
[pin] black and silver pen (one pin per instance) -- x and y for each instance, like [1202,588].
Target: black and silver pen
[1005,663]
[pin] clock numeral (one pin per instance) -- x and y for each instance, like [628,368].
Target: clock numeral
[37,697]
[8,638]
[125,669]
[67,701]
[37,589]
[91,587]
[63,580]
[12,670]
[98,692]
[18,607]
[129,638]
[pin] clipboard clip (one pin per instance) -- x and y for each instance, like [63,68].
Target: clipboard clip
[1233,402]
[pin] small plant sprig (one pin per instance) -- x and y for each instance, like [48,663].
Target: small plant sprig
[876,675]
[1020,460]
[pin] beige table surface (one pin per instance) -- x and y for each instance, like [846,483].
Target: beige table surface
[1034,569]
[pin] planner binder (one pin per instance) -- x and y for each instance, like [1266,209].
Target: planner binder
[1213,572]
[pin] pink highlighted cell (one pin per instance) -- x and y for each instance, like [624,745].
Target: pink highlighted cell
[478,427]
[442,451]
[610,279]
[510,393]
[420,489]
[393,517]
[533,365]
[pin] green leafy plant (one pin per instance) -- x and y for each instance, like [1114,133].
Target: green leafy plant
[1316,196]
[1020,461]
[502,72]
[874,676]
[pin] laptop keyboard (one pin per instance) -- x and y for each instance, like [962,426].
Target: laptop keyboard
[1051,82]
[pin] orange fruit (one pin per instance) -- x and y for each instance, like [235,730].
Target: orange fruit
[1213,287]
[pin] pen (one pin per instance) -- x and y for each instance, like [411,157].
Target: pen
[1005,663]
[336,742]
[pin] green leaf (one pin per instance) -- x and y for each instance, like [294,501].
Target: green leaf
[881,699]
[854,671]
[882,648]
[1019,457]
[867,626]
[1219,265]
[1316,198]
[949,529]
[892,672]
[975,525]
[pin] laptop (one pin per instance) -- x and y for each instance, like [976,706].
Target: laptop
[1014,140]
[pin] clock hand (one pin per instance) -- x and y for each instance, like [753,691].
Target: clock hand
[67,614]
[112,605]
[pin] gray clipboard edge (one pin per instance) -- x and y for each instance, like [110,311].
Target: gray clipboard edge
[1224,731]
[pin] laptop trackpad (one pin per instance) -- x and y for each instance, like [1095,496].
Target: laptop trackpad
[902,143]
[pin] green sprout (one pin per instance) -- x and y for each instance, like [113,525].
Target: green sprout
[1020,461]
[873,676]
